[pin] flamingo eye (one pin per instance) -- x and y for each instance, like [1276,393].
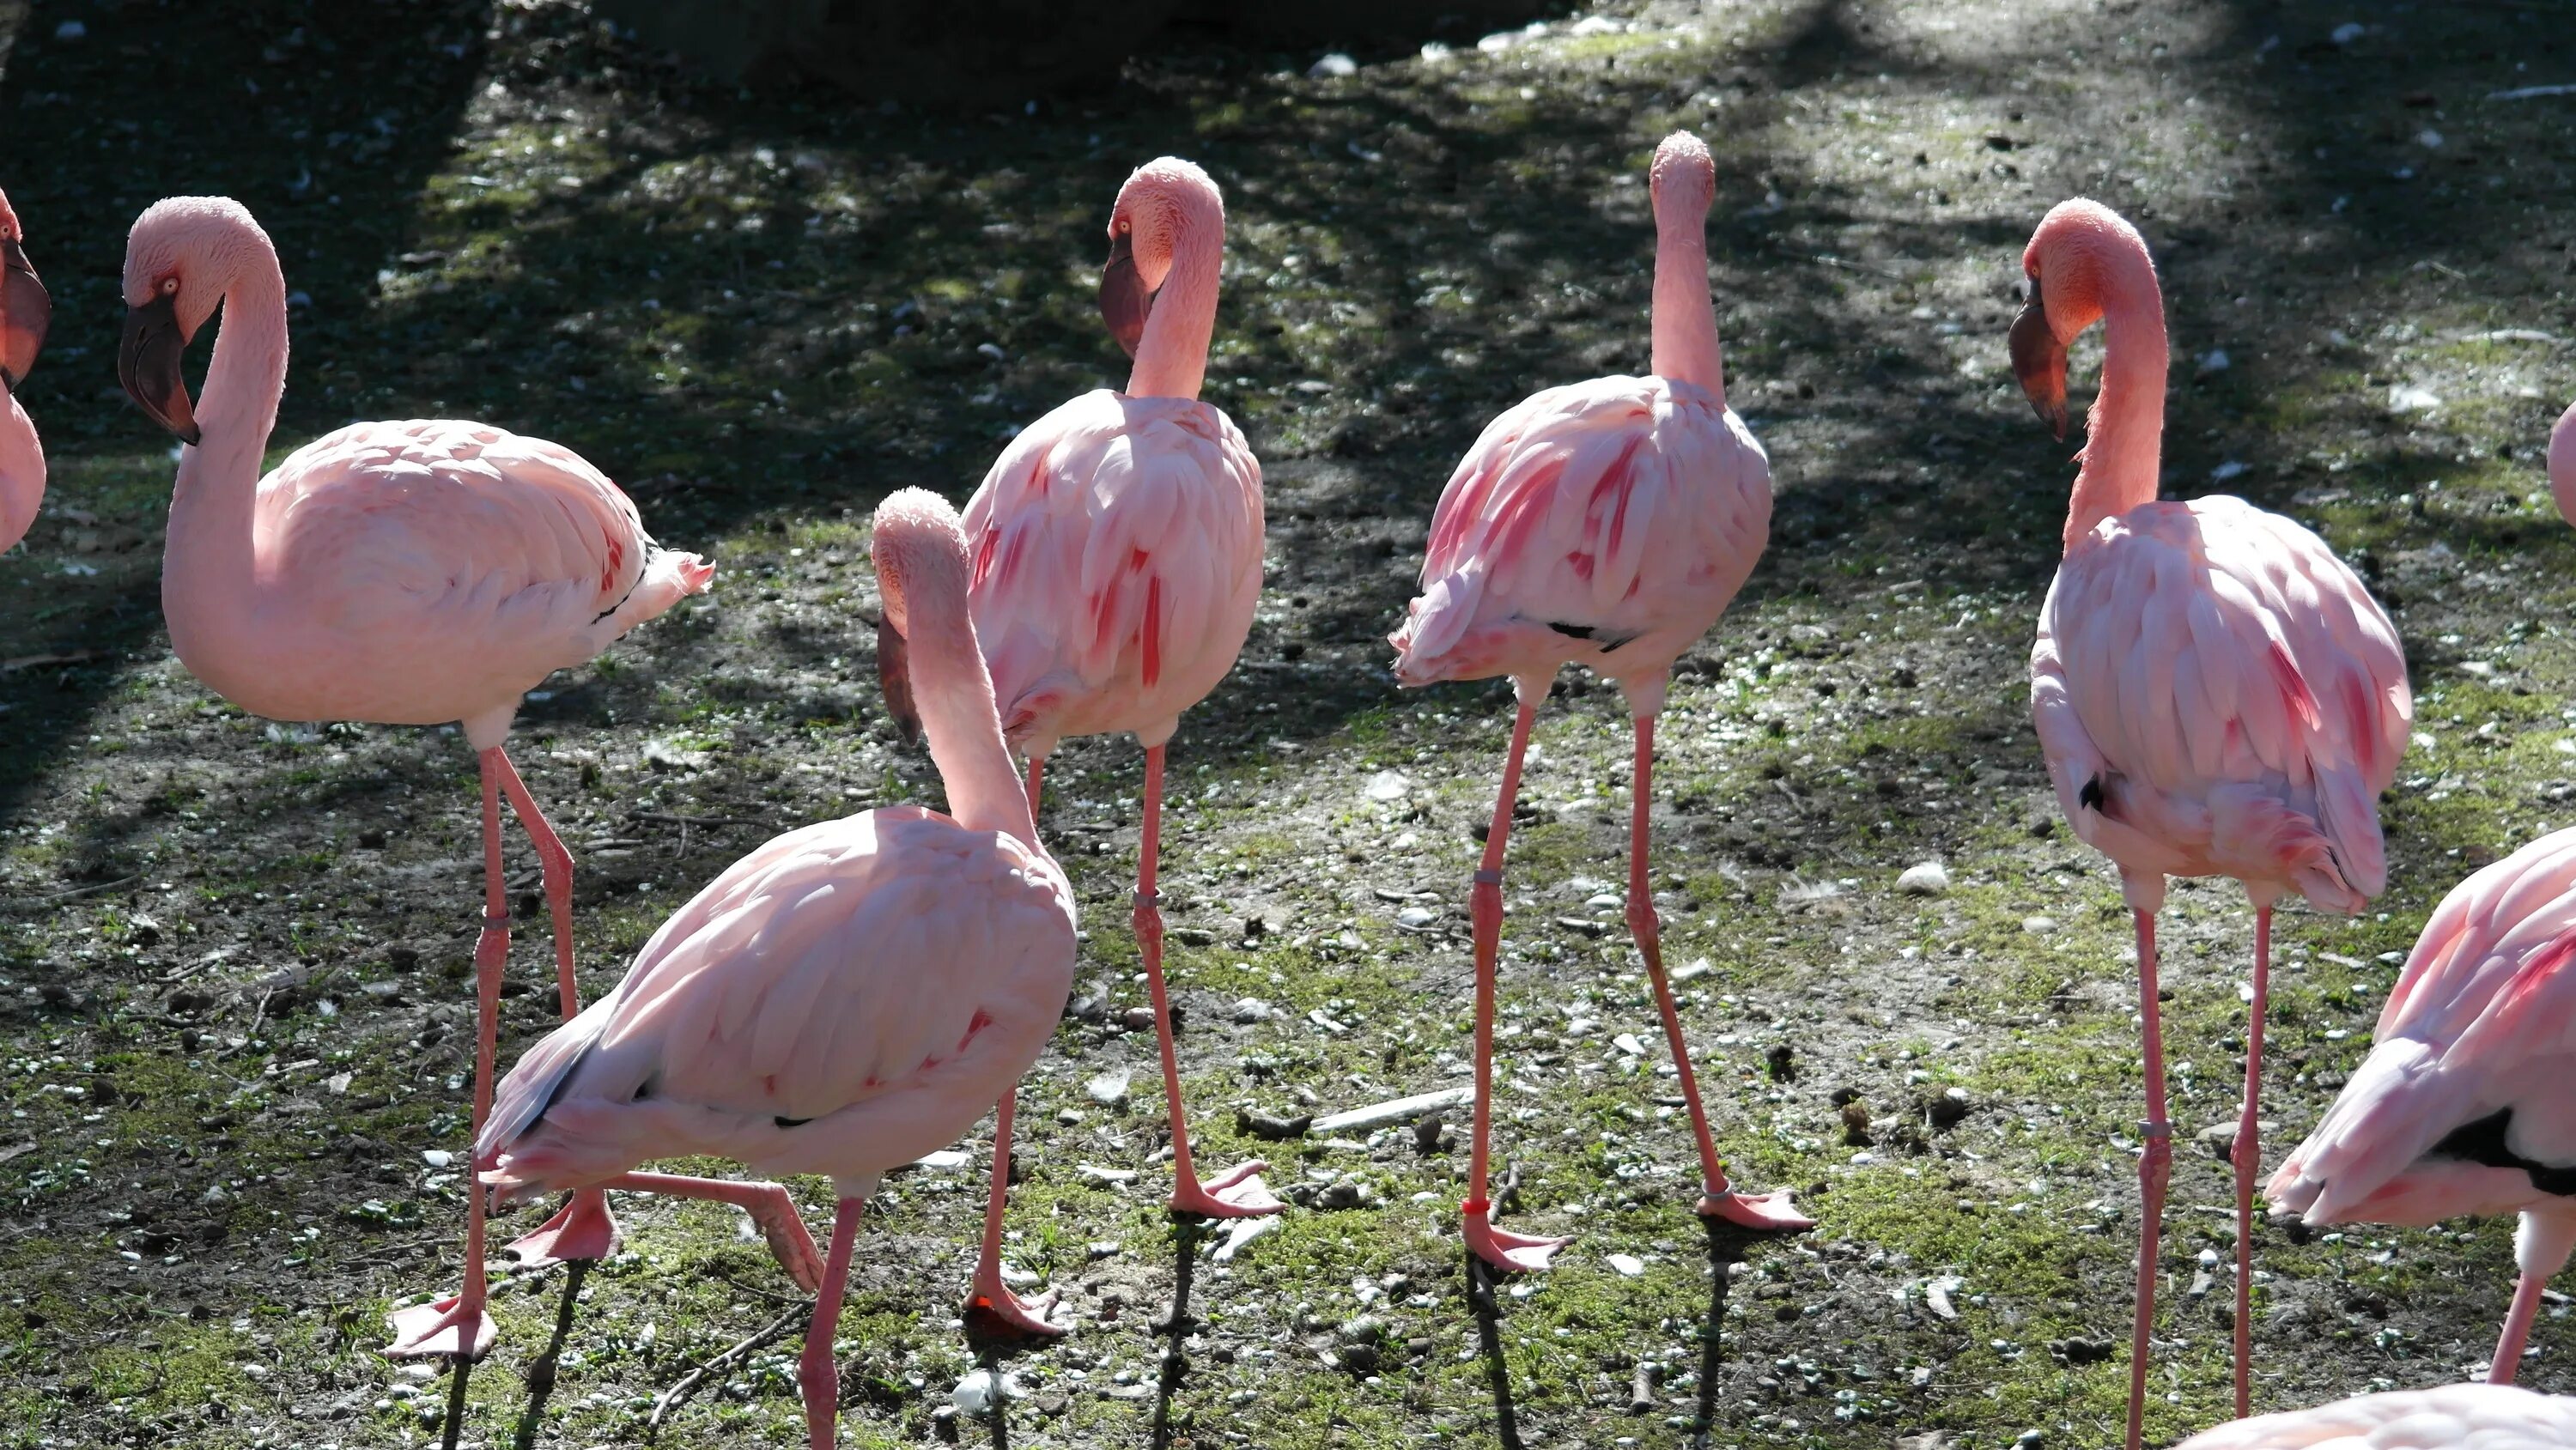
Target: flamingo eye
[169,286]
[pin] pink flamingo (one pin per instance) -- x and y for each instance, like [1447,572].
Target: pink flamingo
[1117,548]
[2462,1106]
[24,311]
[406,573]
[842,1000]
[2216,694]
[1606,524]
[2451,1417]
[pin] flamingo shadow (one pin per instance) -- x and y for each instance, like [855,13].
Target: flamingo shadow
[1186,1233]
[1727,1243]
[1489,1336]
[541,1370]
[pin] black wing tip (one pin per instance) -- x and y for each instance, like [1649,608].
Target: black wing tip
[2090,797]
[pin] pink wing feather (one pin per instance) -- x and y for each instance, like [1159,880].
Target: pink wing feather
[1629,509]
[2234,692]
[2448,1417]
[842,1000]
[2482,1019]
[1117,562]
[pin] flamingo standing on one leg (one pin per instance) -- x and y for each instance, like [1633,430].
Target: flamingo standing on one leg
[1117,548]
[406,573]
[842,1000]
[24,311]
[2216,694]
[2462,1105]
[2451,1417]
[1606,524]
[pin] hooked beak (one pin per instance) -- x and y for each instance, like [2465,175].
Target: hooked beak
[2039,360]
[24,312]
[148,365]
[1124,302]
[894,676]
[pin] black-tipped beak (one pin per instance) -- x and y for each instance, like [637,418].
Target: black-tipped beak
[894,676]
[1124,302]
[2039,361]
[148,365]
[25,310]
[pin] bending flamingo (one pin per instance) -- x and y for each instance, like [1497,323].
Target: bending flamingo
[1606,524]
[1117,548]
[2461,1107]
[2216,694]
[24,311]
[842,1000]
[2451,1417]
[406,573]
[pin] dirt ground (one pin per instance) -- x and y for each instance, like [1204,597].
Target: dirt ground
[233,1017]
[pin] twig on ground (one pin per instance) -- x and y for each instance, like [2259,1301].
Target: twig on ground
[767,1334]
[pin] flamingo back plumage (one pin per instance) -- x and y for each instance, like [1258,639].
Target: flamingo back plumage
[2448,1417]
[844,999]
[1116,549]
[2217,694]
[2482,1021]
[424,571]
[1608,522]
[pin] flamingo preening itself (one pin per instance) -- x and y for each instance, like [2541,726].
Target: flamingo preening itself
[24,312]
[2216,693]
[1117,558]
[1606,524]
[842,1000]
[410,573]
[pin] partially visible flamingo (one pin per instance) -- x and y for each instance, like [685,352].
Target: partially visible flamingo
[2215,692]
[1606,524]
[1117,548]
[842,1000]
[2462,1106]
[408,573]
[24,311]
[2450,1417]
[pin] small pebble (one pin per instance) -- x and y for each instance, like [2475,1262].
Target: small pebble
[1929,878]
[2039,925]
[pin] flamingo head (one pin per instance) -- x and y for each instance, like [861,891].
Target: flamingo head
[2068,263]
[25,309]
[1160,203]
[2562,463]
[1683,178]
[920,552]
[183,255]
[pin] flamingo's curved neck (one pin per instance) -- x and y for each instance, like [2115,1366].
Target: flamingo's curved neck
[1171,358]
[211,564]
[1685,326]
[953,691]
[22,472]
[2124,435]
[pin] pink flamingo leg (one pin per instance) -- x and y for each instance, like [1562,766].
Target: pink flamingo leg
[2155,1166]
[583,1228]
[990,1299]
[1499,1247]
[1238,1192]
[1766,1211]
[2248,1156]
[2540,1247]
[1037,779]
[458,1327]
[818,1373]
[768,1204]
